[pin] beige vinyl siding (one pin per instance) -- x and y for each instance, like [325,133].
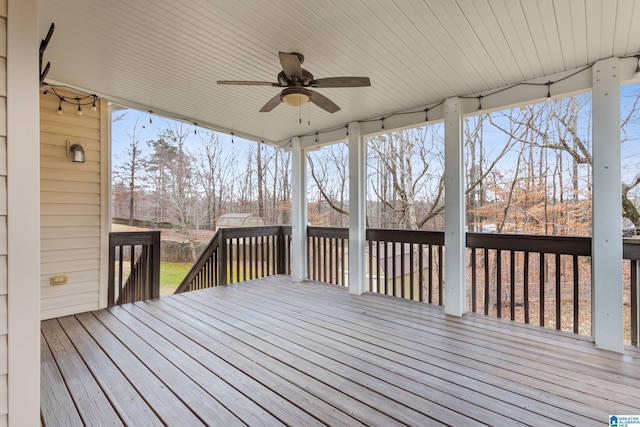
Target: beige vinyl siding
[71,206]
[3,217]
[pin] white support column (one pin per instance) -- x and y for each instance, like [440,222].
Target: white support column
[607,325]
[298,211]
[454,237]
[23,215]
[357,212]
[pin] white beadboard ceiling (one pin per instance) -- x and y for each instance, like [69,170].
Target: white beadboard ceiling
[166,55]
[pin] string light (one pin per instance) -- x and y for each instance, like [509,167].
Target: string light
[232,137]
[549,83]
[150,121]
[426,114]
[195,129]
[79,101]
[480,102]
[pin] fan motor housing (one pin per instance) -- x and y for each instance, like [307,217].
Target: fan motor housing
[284,81]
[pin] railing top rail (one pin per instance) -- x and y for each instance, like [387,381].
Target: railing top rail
[406,236]
[531,243]
[328,232]
[234,233]
[120,238]
[631,249]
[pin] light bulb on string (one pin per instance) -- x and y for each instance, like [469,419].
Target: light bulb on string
[93,105]
[548,91]
[59,112]
[637,73]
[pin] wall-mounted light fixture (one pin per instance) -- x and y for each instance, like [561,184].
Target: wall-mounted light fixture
[75,151]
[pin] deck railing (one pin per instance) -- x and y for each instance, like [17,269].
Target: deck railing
[238,254]
[534,279]
[134,267]
[402,263]
[544,280]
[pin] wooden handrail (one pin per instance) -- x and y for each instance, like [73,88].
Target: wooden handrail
[249,252]
[143,281]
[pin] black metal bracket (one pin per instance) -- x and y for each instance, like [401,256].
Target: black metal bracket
[43,46]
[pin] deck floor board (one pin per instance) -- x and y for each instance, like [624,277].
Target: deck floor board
[271,352]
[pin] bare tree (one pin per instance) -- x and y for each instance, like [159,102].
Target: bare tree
[130,172]
[172,158]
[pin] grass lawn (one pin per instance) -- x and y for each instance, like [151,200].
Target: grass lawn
[171,274]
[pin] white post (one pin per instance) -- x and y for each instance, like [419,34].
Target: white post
[357,213]
[298,211]
[454,238]
[23,215]
[607,325]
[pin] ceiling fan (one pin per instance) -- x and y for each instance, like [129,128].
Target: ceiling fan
[296,82]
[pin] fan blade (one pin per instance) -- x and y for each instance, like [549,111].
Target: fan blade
[291,65]
[246,83]
[323,102]
[273,103]
[341,82]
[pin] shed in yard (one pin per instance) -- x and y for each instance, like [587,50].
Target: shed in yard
[233,220]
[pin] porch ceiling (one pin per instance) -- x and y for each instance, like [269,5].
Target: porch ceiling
[166,55]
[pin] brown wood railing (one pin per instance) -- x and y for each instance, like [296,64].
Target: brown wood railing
[526,277]
[238,254]
[534,279]
[134,267]
[402,263]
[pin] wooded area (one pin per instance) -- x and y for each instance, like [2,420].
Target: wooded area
[528,170]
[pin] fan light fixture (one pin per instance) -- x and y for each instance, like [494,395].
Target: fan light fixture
[295,97]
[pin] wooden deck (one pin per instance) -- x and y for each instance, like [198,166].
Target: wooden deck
[270,352]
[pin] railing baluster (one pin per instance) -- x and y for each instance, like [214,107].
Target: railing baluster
[474,279]
[487,299]
[558,291]
[402,271]
[542,283]
[411,272]
[525,283]
[635,305]
[421,272]
[369,269]
[499,283]
[440,275]
[512,285]
[430,274]
[382,285]
[576,296]
[393,267]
